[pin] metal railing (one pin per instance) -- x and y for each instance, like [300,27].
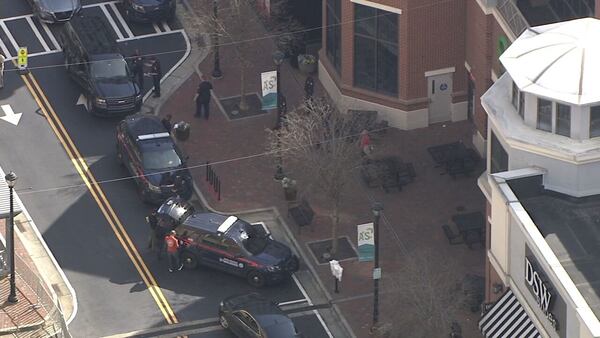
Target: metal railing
[512,16]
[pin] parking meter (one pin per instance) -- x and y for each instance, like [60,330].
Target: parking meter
[336,271]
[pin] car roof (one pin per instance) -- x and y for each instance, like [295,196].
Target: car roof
[176,208]
[209,222]
[145,126]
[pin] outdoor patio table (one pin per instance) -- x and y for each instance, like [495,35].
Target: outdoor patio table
[470,222]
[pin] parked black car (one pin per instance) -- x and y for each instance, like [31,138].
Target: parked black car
[228,243]
[51,11]
[151,156]
[149,10]
[253,316]
[95,63]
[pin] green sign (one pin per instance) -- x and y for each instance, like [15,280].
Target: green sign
[502,45]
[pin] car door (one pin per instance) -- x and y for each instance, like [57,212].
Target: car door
[233,262]
[244,325]
[212,251]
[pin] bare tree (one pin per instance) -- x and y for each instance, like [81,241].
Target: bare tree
[429,289]
[230,25]
[317,140]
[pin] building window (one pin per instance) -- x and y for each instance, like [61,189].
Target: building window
[375,50]
[518,100]
[595,121]
[334,33]
[499,158]
[563,119]
[544,120]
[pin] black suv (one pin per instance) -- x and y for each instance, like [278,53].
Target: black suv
[94,62]
[148,151]
[149,10]
[227,243]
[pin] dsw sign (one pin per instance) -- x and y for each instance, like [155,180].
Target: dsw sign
[540,291]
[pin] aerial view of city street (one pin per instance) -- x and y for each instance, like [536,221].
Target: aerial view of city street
[299,168]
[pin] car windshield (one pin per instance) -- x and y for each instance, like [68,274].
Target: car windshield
[109,69]
[161,158]
[254,237]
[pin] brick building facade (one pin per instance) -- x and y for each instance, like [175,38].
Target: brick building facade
[446,58]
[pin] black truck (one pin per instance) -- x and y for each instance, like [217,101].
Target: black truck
[94,62]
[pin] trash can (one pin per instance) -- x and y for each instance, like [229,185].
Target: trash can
[182,131]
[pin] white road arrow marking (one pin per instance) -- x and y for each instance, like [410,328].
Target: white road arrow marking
[9,115]
[82,100]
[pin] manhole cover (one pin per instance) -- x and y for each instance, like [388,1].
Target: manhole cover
[231,106]
[321,250]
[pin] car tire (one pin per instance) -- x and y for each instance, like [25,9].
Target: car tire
[189,260]
[223,321]
[256,279]
[293,265]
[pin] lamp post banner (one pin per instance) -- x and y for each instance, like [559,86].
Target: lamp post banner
[366,242]
[269,90]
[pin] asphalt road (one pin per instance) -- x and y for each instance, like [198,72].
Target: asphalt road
[112,298]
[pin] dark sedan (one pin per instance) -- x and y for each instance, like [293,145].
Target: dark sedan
[149,10]
[253,316]
[51,11]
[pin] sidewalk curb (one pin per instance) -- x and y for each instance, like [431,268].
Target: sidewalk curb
[297,246]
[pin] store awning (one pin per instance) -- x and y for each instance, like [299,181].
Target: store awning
[507,319]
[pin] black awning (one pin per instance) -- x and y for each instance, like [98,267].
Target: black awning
[507,319]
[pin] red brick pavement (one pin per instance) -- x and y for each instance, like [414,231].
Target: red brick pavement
[33,299]
[413,216]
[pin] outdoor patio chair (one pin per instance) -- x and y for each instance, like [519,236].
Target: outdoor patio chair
[453,238]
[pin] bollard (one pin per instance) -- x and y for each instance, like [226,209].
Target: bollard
[215,183]
[207,168]
[219,191]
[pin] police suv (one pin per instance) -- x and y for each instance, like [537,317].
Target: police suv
[228,243]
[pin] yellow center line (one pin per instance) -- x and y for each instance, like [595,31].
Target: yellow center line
[100,198]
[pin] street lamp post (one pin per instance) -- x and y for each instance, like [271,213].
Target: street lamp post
[377,208]
[216,73]
[278,57]
[11,180]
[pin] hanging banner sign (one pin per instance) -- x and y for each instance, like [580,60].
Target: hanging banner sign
[269,90]
[366,242]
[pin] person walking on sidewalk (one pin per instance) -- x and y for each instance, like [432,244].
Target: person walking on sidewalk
[2,59]
[156,74]
[202,98]
[137,63]
[173,251]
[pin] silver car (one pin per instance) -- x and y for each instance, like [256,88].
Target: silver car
[51,11]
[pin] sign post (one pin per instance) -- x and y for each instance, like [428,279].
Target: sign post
[22,60]
[336,271]
[366,242]
[269,89]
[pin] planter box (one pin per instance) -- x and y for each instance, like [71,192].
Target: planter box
[307,68]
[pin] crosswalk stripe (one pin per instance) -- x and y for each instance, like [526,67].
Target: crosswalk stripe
[156,28]
[51,36]
[111,21]
[4,49]
[121,20]
[37,34]
[166,27]
[10,37]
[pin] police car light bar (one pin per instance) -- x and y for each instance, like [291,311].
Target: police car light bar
[152,136]
[227,224]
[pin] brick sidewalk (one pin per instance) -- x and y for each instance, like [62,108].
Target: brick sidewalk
[413,216]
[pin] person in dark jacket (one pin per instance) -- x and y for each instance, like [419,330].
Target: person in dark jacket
[137,63]
[156,74]
[166,122]
[202,98]
[155,241]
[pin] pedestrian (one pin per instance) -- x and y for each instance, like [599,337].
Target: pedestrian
[173,251]
[137,68]
[2,59]
[202,98]
[309,88]
[156,74]
[166,122]
[365,143]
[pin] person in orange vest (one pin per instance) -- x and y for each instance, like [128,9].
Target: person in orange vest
[173,251]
